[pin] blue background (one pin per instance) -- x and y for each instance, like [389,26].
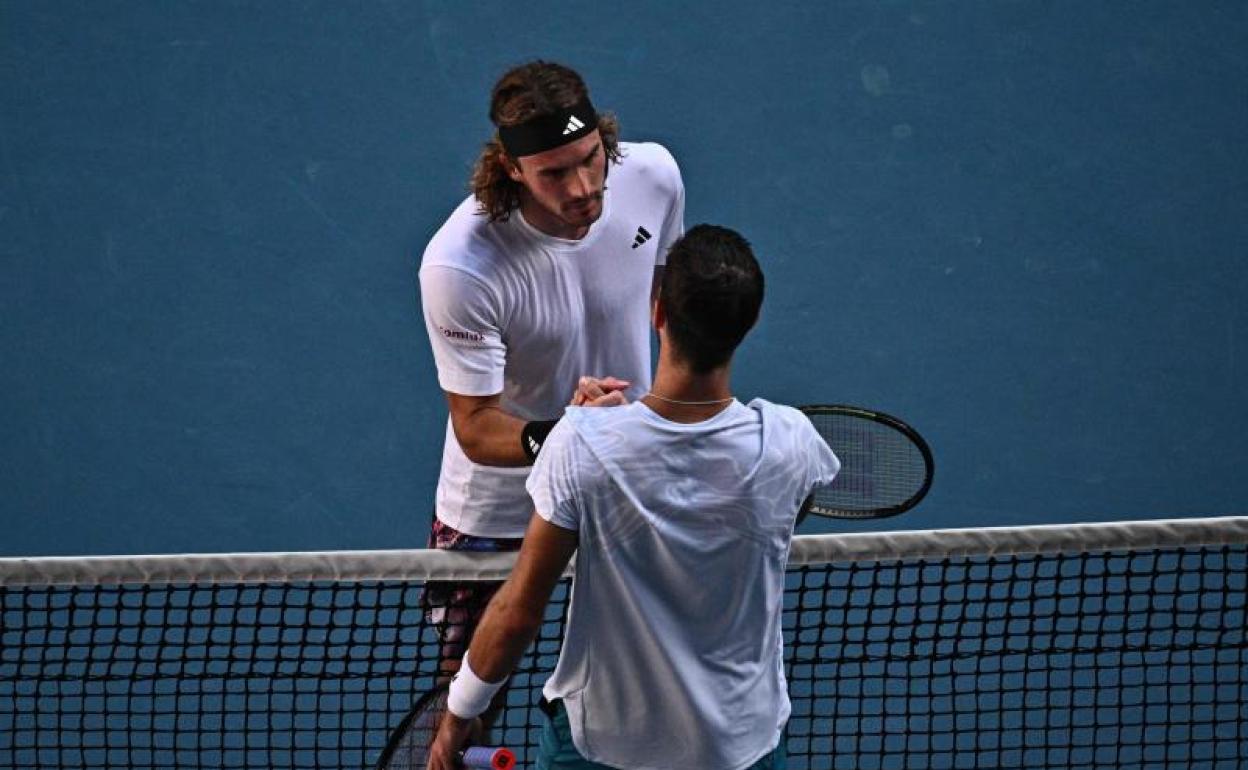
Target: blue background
[1021,226]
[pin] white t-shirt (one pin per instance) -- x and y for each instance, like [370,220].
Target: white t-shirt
[514,311]
[673,655]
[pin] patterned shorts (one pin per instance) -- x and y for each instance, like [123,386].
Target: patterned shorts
[456,608]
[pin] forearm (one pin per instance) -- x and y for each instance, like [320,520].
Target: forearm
[490,436]
[516,612]
[497,646]
[505,632]
[511,622]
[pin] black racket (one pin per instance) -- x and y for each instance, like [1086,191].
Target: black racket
[408,747]
[886,466]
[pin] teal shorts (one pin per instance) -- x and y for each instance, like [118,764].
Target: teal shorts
[556,752]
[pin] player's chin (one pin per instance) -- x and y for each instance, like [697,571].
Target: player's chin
[582,215]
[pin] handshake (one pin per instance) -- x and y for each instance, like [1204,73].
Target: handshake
[604,391]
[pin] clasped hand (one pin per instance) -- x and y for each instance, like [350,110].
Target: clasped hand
[600,391]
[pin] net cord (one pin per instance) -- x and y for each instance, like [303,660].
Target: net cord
[427,564]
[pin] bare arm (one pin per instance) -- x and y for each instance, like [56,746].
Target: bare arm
[487,434]
[510,624]
[515,613]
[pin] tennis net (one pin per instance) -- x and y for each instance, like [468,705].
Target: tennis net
[1088,646]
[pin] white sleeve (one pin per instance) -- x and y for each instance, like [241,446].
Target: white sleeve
[674,222]
[824,464]
[554,482]
[461,316]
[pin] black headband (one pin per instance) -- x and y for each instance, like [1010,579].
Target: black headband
[547,132]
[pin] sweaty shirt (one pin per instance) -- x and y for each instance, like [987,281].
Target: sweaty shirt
[514,311]
[673,654]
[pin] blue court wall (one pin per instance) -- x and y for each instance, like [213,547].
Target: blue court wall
[1019,225]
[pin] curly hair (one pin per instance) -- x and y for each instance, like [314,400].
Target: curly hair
[529,91]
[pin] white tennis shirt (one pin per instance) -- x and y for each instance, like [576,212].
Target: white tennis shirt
[673,655]
[514,311]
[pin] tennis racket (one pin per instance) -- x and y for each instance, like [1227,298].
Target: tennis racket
[886,466]
[408,747]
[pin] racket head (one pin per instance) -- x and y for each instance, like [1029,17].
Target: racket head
[408,747]
[886,466]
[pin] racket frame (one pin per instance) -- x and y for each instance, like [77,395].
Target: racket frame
[398,734]
[892,422]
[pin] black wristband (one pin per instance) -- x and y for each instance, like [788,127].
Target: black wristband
[534,435]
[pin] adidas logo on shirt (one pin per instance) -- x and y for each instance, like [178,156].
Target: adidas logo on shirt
[574,125]
[643,235]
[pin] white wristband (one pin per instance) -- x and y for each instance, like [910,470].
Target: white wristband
[469,695]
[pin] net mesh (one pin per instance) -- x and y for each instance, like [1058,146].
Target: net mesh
[931,651]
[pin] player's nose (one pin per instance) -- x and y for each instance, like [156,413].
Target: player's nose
[582,185]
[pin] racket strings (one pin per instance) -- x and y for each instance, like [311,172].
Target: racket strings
[881,466]
[416,734]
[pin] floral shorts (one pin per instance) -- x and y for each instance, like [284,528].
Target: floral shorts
[456,608]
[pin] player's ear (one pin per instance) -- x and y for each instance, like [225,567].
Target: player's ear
[658,318]
[512,167]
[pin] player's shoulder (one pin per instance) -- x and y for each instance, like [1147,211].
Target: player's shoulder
[596,425]
[567,440]
[581,419]
[647,154]
[467,241]
[775,411]
[650,160]
[782,418]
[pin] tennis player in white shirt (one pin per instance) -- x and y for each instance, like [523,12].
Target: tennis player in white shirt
[679,508]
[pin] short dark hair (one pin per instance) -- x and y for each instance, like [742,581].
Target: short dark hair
[711,293]
[523,93]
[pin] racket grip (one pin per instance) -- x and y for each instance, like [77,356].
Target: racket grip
[488,758]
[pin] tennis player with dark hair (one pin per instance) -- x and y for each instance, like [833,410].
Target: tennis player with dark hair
[680,509]
[539,281]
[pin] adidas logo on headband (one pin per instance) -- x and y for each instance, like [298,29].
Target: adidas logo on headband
[547,132]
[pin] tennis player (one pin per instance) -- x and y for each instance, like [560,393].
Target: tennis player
[680,509]
[539,281]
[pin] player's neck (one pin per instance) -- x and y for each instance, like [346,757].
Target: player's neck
[544,222]
[681,395]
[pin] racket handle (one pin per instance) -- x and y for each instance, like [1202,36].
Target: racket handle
[488,758]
